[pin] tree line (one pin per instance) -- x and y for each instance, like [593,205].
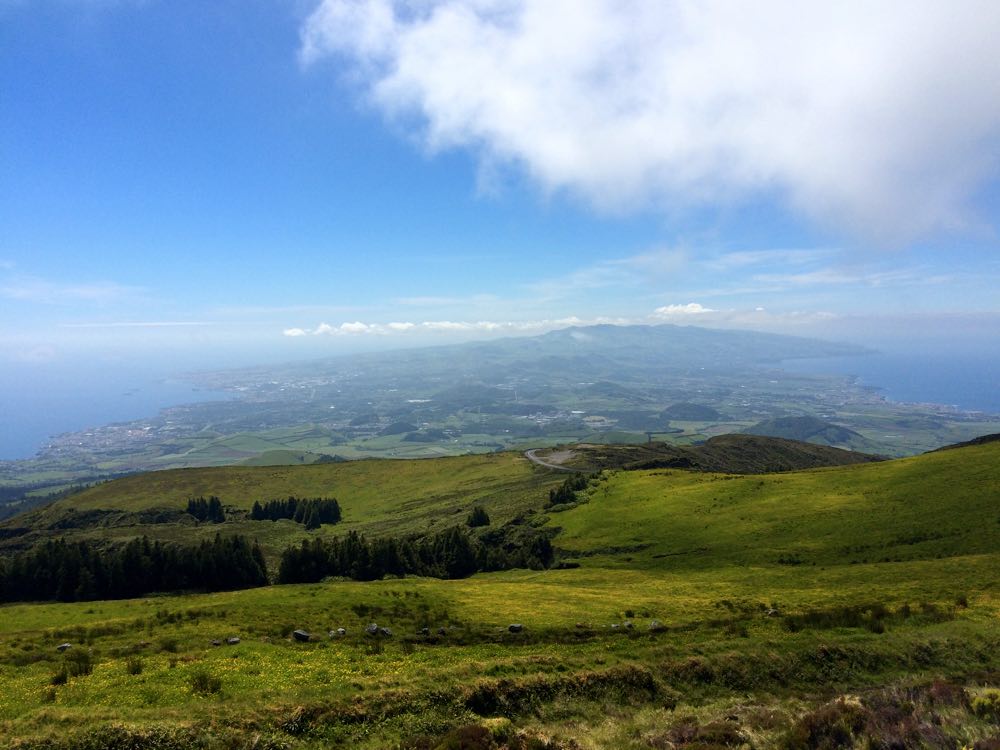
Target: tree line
[207,510]
[452,553]
[81,571]
[310,512]
[61,570]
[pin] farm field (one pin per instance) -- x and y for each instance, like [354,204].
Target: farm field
[708,610]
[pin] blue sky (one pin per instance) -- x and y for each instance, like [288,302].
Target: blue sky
[209,183]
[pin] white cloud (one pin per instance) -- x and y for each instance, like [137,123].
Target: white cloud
[883,118]
[356,327]
[295,332]
[691,308]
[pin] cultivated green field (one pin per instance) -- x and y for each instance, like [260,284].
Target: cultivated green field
[754,603]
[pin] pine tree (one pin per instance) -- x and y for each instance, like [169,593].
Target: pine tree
[478,517]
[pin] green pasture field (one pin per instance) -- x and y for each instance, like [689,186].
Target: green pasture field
[754,601]
[377,497]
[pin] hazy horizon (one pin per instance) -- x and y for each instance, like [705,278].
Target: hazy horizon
[44,400]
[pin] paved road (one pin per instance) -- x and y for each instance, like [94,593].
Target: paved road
[530,455]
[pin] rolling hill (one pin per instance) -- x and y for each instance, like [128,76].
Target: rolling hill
[812,430]
[687,604]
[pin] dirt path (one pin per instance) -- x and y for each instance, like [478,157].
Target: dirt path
[560,456]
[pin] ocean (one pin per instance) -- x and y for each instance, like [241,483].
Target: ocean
[967,381]
[37,403]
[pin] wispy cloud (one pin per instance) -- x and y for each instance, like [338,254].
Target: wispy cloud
[833,276]
[143,324]
[883,119]
[357,328]
[46,292]
[310,309]
[432,301]
[633,270]
[744,259]
[34,355]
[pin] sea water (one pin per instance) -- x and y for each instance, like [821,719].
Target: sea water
[968,381]
[37,403]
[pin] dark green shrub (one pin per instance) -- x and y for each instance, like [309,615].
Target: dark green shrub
[833,726]
[133,665]
[478,517]
[79,663]
[169,645]
[204,683]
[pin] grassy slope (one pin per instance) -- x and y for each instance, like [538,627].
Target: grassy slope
[917,508]
[694,551]
[378,495]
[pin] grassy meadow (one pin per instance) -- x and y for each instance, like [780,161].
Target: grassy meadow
[847,605]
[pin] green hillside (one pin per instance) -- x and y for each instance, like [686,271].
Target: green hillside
[813,430]
[937,505]
[378,497]
[729,454]
[754,602]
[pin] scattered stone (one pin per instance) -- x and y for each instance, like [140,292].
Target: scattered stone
[372,628]
[772,612]
[386,632]
[216,643]
[63,646]
[442,631]
[615,626]
[341,632]
[515,627]
[655,626]
[581,625]
[301,635]
[425,631]
[232,641]
[628,625]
